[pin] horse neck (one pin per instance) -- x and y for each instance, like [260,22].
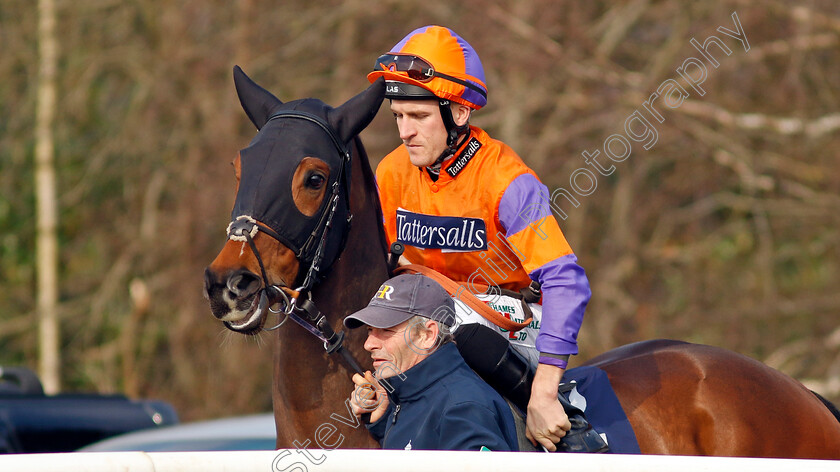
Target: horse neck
[309,386]
[362,266]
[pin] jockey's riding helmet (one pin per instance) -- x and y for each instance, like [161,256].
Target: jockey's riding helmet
[433,61]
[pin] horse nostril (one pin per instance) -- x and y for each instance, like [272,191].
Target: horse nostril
[242,284]
[210,282]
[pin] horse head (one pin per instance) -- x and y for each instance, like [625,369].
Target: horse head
[292,210]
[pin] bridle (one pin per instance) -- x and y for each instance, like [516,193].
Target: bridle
[297,304]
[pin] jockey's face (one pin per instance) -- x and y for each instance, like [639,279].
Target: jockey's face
[421,129]
[396,349]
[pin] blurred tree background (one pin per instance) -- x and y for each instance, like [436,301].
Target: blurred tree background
[725,232]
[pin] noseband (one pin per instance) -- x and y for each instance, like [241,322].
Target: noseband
[297,304]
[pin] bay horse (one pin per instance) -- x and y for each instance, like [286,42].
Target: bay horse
[295,192]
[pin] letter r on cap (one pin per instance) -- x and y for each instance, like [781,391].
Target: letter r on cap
[385,292]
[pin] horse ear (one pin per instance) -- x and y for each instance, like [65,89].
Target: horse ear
[257,101]
[352,117]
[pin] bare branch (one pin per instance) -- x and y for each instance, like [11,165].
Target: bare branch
[756,121]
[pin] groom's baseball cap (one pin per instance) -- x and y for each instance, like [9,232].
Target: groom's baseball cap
[402,297]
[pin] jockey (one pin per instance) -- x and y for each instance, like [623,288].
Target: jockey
[466,204]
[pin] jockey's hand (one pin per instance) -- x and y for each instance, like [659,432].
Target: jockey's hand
[368,397]
[546,422]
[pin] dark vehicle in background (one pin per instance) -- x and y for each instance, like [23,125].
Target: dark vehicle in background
[32,422]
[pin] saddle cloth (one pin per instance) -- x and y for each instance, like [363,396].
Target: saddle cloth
[594,395]
[592,392]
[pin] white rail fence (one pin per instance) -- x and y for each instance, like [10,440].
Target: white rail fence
[346,460]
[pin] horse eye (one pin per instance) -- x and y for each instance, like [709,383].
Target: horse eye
[315,181]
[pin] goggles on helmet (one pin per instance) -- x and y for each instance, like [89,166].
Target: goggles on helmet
[417,68]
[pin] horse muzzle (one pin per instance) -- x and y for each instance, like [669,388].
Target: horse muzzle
[240,301]
[253,320]
[235,298]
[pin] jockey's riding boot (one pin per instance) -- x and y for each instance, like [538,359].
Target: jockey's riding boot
[492,358]
[510,374]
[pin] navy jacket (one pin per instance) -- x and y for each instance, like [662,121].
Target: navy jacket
[441,403]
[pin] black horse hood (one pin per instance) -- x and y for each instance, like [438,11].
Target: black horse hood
[287,134]
[268,167]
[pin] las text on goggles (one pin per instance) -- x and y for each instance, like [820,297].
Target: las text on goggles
[417,68]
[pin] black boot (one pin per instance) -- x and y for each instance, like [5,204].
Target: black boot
[498,363]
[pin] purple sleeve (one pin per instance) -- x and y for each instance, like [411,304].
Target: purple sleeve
[566,292]
[564,284]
